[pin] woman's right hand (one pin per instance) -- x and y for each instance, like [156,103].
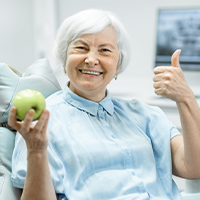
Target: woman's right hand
[38,184]
[34,135]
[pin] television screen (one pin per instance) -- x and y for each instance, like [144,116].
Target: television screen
[179,29]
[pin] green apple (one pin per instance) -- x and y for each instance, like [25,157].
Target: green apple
[29,99]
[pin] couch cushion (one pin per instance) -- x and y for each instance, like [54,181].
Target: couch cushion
[7,191]
[38,76]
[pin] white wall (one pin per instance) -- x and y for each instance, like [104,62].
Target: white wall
[16,33]
[27,31]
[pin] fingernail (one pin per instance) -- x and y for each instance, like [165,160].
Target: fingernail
[13,109]
[45,112]
[31,111]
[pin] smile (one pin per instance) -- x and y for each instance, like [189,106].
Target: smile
[90,72]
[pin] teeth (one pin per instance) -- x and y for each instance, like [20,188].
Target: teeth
[90,72]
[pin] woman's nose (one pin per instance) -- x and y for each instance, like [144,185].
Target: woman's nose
[92,59]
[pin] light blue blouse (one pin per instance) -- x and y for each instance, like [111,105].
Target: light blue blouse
[112,150]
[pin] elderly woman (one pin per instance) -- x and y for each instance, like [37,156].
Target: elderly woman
[88,145]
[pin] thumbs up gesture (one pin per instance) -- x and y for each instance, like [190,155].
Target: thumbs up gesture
[169,81]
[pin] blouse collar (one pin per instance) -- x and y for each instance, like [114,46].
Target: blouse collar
[88,105]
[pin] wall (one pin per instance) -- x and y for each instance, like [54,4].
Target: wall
[16,33]
[27,31]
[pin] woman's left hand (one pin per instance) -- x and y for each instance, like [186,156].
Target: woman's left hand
[169,81]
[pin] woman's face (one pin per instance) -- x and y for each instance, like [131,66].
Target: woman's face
[92,62]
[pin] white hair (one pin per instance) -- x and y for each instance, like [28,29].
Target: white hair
[89,22]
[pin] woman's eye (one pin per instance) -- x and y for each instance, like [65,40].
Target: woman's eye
[81,47]
[105,50]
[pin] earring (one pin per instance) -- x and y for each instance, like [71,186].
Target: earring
[65,70]
[115,76]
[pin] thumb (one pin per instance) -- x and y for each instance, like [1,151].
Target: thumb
[175,58]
